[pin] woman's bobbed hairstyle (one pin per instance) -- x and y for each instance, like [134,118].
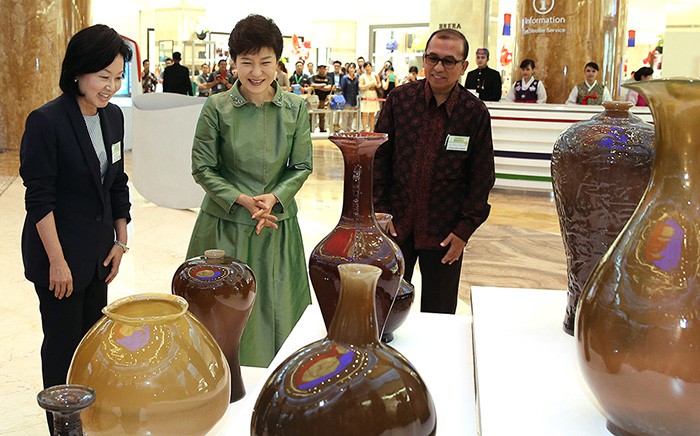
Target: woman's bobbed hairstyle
[89,51]
[527,62]
[252,34]
[643,72]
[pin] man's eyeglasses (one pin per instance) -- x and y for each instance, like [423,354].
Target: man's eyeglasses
[448,63]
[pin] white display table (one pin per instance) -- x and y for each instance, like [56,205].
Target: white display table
[528,382]
[527,378]
[438,346]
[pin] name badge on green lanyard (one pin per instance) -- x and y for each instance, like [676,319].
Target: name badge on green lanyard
[457,143]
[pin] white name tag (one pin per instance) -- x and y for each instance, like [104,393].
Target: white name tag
[116,152]
[457,143]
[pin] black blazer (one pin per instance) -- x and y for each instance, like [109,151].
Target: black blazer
[60,170]
[176,78]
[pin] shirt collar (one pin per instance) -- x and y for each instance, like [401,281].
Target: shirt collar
[529,82]
[451,101]
[239,100]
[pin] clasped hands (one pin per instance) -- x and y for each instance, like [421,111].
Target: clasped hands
[260,208]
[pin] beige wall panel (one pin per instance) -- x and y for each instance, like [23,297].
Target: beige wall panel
[468,15]
[32,44]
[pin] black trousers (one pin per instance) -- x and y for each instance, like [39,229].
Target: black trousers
[64,323]
[440,282]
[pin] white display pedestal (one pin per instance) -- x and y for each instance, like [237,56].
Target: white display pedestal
[438,346]
[527,377]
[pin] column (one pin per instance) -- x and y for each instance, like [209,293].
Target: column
[562,36]
[32,44]
[468,16]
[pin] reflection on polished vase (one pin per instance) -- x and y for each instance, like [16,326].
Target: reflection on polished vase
[404,297]
[65,402]
[600,169]
[357,238]
[348,383]
[220,291]
[637,329]
[154,367]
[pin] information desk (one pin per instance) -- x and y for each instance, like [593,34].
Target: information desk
[524,137]
[438,346]
[528,381]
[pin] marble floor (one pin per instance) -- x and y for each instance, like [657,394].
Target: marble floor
[519,247]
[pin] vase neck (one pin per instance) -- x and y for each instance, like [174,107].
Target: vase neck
[358,205]
[675,105]
[355,319]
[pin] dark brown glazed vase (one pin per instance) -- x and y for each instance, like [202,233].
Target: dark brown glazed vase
[348,383]
[637,329]
[357,238]
[65,402]
[404,298]
[220,291]
[600,169]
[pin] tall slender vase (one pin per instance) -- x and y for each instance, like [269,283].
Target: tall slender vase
[155,369]
[65,402]
[348,383]
[357,238]
[600,169]
[638,328]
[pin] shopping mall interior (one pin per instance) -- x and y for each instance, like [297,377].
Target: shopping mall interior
[518,253]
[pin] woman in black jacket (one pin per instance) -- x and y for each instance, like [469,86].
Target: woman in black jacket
[77,199]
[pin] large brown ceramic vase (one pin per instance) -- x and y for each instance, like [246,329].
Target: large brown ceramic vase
[348,383]
[155,369]
[220,291]
[404,297]
[637,328]
[357,238]
[600,169]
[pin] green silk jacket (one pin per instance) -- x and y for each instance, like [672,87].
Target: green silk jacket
[240,148]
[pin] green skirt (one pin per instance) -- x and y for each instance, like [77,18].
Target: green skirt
[278,261]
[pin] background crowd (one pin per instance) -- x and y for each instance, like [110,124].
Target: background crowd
[335,95]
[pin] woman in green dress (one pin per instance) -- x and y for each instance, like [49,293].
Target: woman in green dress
[251,154]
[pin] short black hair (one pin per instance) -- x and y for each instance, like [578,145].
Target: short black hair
[299,62]
[643,72]
[177,56]
[450,34]
[527,62]
[253,33]
[337,62]
[413,69]
[89,51]
[144,61]
[592,65]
